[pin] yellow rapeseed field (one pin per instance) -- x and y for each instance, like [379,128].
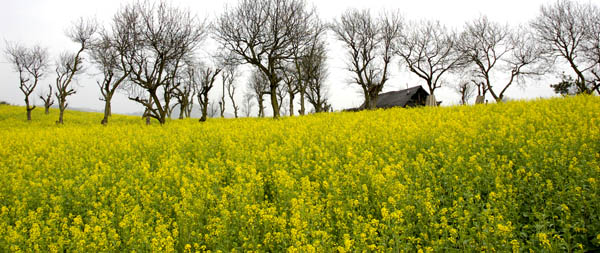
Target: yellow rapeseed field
[505,177]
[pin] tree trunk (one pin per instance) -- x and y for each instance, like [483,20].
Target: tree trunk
[204,108]
[291,103]
[431,101]
[28,108]
[302,108]
[371,101]
[235,109]
[274,102]
[182,110]
[60,115]
[261,108]
[47,110]
[106,111]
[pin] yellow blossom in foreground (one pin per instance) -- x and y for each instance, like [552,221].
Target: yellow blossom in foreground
[517,176]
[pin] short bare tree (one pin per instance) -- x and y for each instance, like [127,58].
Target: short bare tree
[370,44]
[265,33]
[429,51]
[47,98]
[69,65]
[31,64]
[562,29]
[466,90]
[492,49]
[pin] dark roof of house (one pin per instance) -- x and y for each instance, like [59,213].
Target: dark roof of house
[398,98]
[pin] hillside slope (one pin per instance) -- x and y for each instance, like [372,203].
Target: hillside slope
[514,176]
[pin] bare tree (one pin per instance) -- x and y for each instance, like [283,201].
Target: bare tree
[230,75]
[31,64]
[466,90]
[47,98]
[428,49]
[259,86]
[69,65]
[489,46]
[185,91]
[265,33]
[208,76]
[162,37]
[370,44]
[108,54]
[282,92]
[247,103]
[562,30]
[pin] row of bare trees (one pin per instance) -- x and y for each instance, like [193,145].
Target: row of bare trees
[150,50]
[489,56]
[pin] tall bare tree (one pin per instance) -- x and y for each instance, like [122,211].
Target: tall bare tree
[69,65]
[265,33]
[108,54]
[31,64]
[428,49]
[562,29]
[162,37]
[492,48]
[370,44]
[47,98]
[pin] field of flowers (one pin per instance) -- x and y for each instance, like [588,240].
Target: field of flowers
[506,177]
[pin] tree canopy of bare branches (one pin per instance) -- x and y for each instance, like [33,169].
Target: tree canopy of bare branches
[161,37]
[265,33]
[492,48]
[31,64]
[564,28]
[429,50]
[68,65]
[47,98]
[370,44]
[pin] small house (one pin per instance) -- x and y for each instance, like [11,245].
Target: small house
[411,97]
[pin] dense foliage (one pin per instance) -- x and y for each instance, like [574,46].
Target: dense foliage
[501,177]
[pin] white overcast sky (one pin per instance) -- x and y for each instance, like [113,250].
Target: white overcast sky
[44,22]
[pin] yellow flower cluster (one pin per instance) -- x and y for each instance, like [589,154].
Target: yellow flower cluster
[515,177]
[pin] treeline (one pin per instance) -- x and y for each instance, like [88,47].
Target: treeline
[150,51]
